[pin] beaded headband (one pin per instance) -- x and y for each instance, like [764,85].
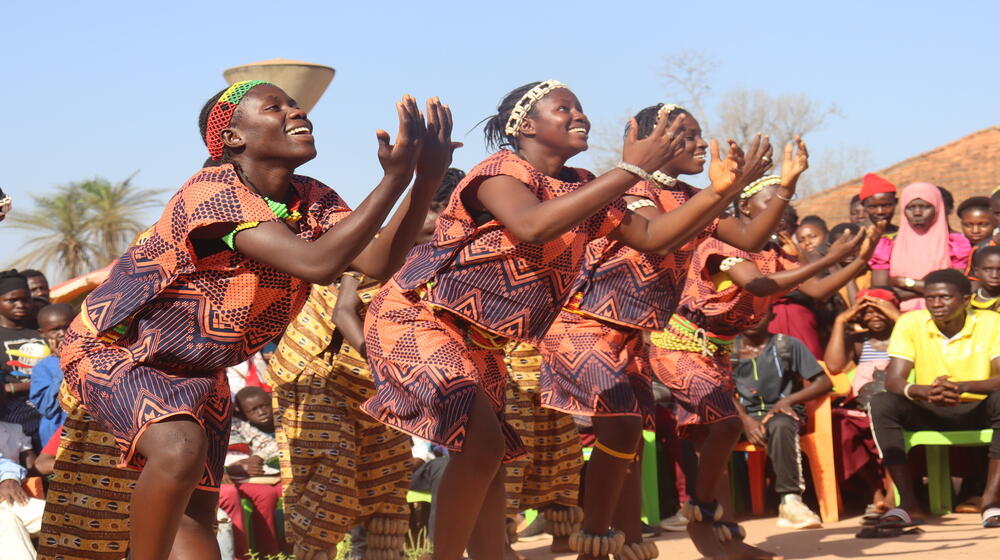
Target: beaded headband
[758,185]
[222,114]
[665,110]
[527,101]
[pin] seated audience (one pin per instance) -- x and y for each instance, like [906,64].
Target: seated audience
[20,515]
[769,370]
[952,355]
[47,375]
[21,349]
[857,212]
[861,336]
[986,268]
[976,219]
[878,197]
[922,244]
[811,234]
[255,451]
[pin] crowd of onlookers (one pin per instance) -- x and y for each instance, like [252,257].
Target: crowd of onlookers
[912,343]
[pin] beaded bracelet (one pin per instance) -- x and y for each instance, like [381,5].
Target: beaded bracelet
[635,170]
[641,203]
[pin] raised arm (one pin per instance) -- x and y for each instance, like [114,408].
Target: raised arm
[753,235]
[823,288]
[662,232]
[323,260]
[747,276]
[534,221]
[839,350]
[386,253]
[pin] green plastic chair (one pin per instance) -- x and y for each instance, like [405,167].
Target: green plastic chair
[650,480]
[938,467]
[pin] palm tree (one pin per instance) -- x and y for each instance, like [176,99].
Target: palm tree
[60,222]
[84,225]
[113,209]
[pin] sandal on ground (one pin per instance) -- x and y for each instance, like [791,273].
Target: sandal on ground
[872,514]
[886,532]
[991,518]
[898,518]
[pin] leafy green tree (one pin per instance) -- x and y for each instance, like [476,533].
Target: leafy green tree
[83,226]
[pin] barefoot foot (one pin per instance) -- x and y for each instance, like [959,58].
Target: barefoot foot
[560,544]
[705,540]
[739,550]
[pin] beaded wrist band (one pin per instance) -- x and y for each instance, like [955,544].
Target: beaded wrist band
[641,203]
[527,101]
[663,179]
[635,170]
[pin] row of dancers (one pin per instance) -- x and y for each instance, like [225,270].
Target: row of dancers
[612,278]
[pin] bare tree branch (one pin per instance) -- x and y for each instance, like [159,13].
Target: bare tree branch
[688,79]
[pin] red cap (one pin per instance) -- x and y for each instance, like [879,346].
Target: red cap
[879,293]
[872,184]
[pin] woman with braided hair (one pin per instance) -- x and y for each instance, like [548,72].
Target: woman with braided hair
[595,356]
[220,274]
[505,253]
[727,291]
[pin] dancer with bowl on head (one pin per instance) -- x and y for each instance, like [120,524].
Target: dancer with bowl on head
[500,265]
[221,273]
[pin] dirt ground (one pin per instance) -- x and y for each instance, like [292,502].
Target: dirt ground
[950,537]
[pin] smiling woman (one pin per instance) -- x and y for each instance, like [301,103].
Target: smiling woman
[220,274]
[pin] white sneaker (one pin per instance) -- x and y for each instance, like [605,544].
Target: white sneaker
[676,522]
[793,513]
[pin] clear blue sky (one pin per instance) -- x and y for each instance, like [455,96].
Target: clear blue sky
[109,88]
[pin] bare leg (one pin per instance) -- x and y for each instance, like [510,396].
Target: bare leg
[489,534]
[606,474]
[991,496]
[737,548]
[628,514]
[714,443]
[175,452]
[195,537]
[903,478]
[466,482]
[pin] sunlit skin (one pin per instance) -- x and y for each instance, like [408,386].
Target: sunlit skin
[39,287]
[977,225]
[691,161]
[880,207]
[14,308]
[858,214]
[920,214]
[256,408]
[988,273]
[947,307]
[53,324]
[810,236]
[995,209]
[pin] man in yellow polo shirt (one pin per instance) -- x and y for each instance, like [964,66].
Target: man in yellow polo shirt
[944,374]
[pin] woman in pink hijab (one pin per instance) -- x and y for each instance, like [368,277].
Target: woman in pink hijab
[924,243]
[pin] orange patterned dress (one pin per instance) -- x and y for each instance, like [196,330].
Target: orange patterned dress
[154,339]
[436,332]
[595,359]
[691,354]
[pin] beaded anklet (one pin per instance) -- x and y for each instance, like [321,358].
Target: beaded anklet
[582,542]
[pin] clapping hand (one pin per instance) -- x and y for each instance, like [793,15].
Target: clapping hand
[757,160]
[399,160]
[437,149]
[796,161]
[725,173]
[651,153]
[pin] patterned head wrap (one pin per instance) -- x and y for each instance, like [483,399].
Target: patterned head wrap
[879,293]
[758,185]
[222,114]
[527,101]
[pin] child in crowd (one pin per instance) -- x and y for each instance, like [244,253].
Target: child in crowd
[253,473]
[769,370]
[986,267]
[22,348]
[811,234]
[861,336]
[47,376]
[976,219]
